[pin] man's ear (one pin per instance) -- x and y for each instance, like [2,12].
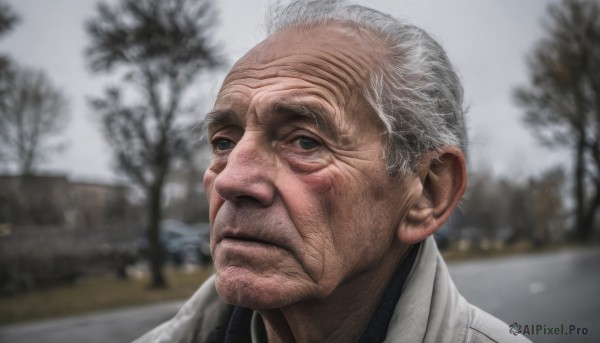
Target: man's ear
[443,179]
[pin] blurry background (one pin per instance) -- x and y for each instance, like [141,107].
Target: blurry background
[101,161]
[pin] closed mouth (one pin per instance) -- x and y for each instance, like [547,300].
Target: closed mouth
[246,239]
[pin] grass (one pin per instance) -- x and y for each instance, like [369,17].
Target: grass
[98,293]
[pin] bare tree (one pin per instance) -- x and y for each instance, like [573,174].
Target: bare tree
[159,47]
[8,19]
[33,111]
[546,205]
[562,99]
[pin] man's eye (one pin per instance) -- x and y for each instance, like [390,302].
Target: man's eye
[307,143]
[222,144]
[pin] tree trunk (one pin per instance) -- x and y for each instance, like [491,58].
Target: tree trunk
[580,215]
[157,254]
[590,215]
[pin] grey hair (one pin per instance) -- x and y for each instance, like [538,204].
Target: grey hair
[417,94]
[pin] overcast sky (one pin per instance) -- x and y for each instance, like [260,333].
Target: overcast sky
[487,41]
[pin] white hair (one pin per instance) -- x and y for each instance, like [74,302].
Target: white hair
[416,94]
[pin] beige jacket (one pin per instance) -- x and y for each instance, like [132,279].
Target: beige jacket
[430,309]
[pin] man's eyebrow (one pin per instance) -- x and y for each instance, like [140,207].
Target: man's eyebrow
[312,112]
[217,118]
[315,113]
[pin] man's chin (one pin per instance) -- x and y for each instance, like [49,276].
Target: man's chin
[242,287]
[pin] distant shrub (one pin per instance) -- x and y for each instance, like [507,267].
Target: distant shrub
[38,257]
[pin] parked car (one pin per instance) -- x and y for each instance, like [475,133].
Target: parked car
[183,244]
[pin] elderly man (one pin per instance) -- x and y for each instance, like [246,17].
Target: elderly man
[337,151]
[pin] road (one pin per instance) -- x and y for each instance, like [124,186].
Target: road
[536,290]
[103,327]
[549,289]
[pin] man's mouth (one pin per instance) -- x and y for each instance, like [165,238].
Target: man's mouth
[247,239]
[239,238]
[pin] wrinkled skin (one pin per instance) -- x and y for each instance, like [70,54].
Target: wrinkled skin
[304,216]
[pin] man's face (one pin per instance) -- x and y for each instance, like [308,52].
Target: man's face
[300,199]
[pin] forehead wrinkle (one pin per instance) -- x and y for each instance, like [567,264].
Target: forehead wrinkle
[303,105]
[356,66]
[310,72]
[340,64]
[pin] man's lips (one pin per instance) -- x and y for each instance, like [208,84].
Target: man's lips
[246,238]
[253,226]
[233,235]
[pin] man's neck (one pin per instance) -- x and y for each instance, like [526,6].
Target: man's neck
[343,315]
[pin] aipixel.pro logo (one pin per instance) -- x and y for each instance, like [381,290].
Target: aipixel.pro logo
[543,329]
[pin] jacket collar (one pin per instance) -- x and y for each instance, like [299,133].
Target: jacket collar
[430,307]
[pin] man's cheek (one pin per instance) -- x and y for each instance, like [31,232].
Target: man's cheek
[214,200]
[208,181]
[318,183]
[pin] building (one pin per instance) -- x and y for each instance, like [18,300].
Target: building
[56,200]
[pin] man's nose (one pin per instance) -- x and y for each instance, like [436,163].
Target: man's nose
[248,174]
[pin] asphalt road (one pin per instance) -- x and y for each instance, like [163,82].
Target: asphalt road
[540,291]
[103,327]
